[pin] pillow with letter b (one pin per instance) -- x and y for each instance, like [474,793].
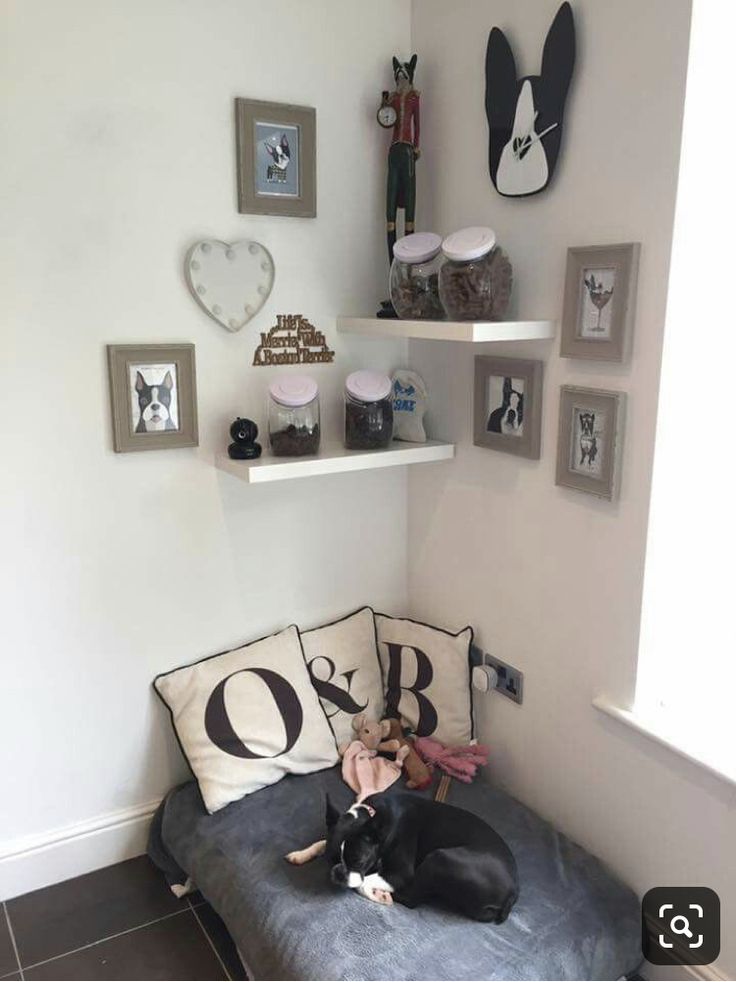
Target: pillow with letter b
[343,664]
[426,674]
[245,718]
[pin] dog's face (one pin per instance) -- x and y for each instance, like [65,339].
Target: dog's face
[587,424]
[353,845]
[280,154]
[404,73]
[154,402]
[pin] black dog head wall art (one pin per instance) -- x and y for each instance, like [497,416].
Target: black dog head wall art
[525,115]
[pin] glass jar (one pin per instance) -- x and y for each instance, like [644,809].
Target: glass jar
[369,413]
[414,279]
[293,416]
[475,276]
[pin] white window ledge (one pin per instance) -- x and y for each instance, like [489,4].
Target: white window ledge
[680,747]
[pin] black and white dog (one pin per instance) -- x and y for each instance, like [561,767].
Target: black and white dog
[510,414]
[588,440]
[154,404]
[411,850]
[281,156]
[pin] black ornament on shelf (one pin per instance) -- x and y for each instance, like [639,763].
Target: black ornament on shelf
[525,114]
[244,446]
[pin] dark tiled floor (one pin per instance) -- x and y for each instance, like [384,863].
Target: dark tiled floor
[121,922]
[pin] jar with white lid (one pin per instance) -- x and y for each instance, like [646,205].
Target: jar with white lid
[414,279]
[293,416]
[369,413]
[475,276]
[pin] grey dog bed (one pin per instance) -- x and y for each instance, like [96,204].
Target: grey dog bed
[573,919]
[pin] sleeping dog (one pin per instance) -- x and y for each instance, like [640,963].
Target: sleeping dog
[411,850]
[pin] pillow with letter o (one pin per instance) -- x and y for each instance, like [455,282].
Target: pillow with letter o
[342,659]
[426,675]
[246,717]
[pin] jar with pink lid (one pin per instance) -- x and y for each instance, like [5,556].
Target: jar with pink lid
[293,416]
[369,413]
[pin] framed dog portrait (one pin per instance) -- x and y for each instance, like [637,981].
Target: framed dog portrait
[153,392]
[277,159]
[590,439]
[600,300]
[507,405]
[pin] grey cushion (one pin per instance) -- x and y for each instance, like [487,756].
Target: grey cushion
[573,920]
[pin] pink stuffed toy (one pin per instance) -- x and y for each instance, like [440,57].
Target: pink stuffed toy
[459,762]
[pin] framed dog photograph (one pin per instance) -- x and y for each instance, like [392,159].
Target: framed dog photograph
[590,439]
[507,405]
[153,393]
[277,159]
[600,300]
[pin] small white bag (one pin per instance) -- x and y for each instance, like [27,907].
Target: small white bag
[409,397]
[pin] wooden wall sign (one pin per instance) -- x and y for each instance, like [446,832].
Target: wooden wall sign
[292,341]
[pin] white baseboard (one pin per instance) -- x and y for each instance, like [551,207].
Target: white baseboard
[684,973]
[40,860]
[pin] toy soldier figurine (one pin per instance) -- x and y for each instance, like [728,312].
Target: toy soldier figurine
[400,111]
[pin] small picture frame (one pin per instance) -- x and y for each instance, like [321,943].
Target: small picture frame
[507,405]
[590,440]
[600,301]
[277,159]
[153,393]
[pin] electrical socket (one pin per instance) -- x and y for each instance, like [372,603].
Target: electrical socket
[510,679]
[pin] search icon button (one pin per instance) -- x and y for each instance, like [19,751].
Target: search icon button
[684,930]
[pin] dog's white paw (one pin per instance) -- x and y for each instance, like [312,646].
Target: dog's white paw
[297,858]
[380,897]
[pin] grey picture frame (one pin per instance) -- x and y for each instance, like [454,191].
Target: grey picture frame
[615,343]
[119,359]
[529,444]
[611,404]
[249,113]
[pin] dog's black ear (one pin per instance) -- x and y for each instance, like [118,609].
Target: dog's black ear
[396,64]
[508,388]
[331,813]
[558,58]
[411,65]
[500,80]
[140,382]
[168,382]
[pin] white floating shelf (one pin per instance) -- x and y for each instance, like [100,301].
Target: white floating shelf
[334,460]
[474,331]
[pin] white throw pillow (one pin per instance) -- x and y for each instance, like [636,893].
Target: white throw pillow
[342,659]
[427,678]
[247,717]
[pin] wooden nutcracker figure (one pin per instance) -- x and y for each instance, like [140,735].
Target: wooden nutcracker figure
[399,111]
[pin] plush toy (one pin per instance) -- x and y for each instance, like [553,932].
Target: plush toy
[459,762]
[362,769]
[418,775]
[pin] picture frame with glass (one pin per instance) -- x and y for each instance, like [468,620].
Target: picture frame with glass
[153,395]
[590,438]
[277,158]
[507,405]
[600,301]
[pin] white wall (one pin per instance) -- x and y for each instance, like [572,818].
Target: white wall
[552,578]
[118,153]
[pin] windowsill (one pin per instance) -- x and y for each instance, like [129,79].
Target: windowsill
[680,747]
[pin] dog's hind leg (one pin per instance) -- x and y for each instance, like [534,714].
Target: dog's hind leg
[301,856]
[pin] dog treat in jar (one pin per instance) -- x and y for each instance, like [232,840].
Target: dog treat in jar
[293,416]
[475,276]
[414,281]
[369,414]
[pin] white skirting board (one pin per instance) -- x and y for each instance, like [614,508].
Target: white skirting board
[40,860]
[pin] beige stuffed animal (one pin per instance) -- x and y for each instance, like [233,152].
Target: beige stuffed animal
[373,737]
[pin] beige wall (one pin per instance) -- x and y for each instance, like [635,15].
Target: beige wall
[552,578]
